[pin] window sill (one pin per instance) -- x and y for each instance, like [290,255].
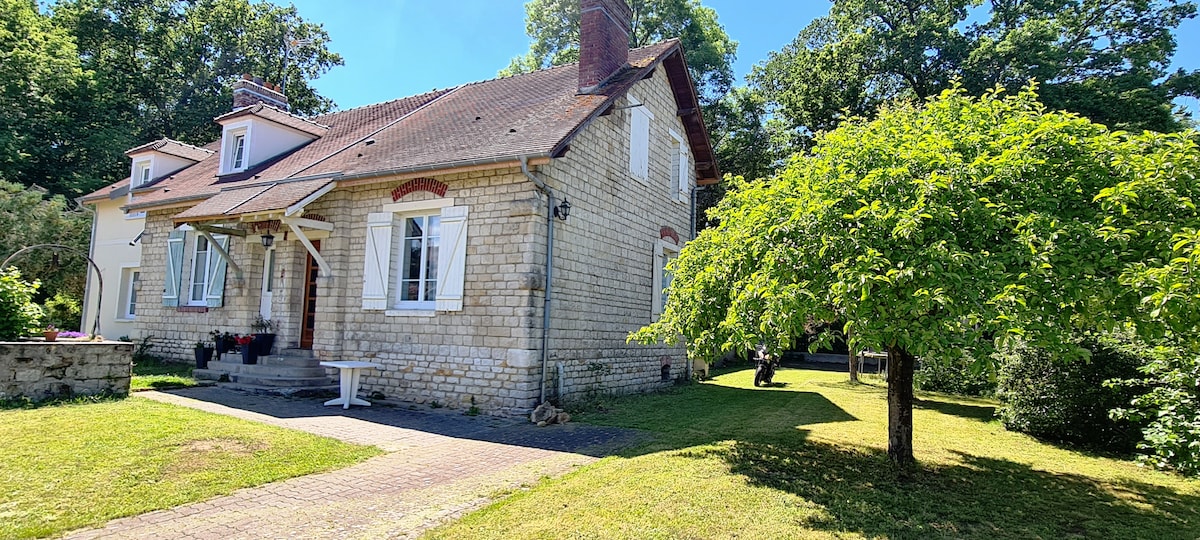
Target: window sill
[192,309]
[410,313]
[125,319]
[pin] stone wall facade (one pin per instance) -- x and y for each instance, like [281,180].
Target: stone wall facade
[486,354]
[40,370]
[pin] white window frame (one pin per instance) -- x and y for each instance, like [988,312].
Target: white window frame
[681,183]
[400,212]
[130,275]
[209,253]
[141,174]
[664,251]
[398,256]
[640,119]
[230,138]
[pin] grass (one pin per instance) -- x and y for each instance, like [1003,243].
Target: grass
[83,463]
[149,374]
[807,459]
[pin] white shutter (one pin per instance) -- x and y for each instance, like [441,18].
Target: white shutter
[656,287]
[216,274]
[685,182]
[377,260]
[174,273]
[639,143]
[452,259]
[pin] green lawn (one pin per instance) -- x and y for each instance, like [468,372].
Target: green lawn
[807,459]
[156,375]
[74,465]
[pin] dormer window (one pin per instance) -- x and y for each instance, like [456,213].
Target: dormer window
[236,151]
[141,174]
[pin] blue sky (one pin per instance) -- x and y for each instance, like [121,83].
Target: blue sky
[396,48]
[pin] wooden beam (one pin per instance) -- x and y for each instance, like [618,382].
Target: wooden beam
[214,229]
[316,255]
[237,270]
[308,223]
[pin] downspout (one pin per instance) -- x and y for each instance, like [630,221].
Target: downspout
[541,186]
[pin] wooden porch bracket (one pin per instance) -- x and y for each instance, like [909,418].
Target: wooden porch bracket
[237,270]
[294,224]
[214,229]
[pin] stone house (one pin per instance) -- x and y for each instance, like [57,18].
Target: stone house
[491,244]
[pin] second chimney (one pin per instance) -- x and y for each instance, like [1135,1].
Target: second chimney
[604,27]
[249,91]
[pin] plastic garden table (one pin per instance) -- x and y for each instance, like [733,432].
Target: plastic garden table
[350,372]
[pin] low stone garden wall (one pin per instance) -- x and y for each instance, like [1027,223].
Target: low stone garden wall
[40,370]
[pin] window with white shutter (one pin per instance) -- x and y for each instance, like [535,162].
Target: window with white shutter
[415,258]
[639,139]
[680,181]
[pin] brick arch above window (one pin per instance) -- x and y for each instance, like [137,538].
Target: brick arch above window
[667,232]
[419,184]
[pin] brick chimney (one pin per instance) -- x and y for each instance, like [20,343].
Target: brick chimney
[249,91]
[604,27]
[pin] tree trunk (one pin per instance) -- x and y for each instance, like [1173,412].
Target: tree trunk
[853,367]
[900,406]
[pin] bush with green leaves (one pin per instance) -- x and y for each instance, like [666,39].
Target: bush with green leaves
[64,311]
[963,376]
[19,315]
[1066,400]
[1169,408]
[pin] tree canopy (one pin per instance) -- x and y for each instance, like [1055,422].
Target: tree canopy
[936,231]
[553,25]
[1104,59]
[88,79]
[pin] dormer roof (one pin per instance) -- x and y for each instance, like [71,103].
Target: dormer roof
[171,148]
[272,114]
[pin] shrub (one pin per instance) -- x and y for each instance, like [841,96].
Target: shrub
[1067,400]
[63,311]
[19,316]
[1170,409]
[962,376]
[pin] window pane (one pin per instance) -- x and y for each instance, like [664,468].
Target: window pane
[413,228]
[410,290]
[133,294]
[431,290]
[412,260]
[270,277]
[431,259]
[435,226]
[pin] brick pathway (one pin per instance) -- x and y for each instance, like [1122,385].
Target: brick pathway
[439,465]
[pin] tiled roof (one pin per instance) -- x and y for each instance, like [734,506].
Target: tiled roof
[282,118]
[531,115]
[172,147]
[110,191]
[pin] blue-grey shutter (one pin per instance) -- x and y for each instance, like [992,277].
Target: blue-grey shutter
[216,274]
[174,275]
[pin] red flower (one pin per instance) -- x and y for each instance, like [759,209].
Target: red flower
[244,340]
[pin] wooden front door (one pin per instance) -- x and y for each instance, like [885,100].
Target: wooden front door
[309,321]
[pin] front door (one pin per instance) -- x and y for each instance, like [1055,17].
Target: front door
[268,284]
[309,321]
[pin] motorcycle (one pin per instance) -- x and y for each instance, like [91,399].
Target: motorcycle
[764,368]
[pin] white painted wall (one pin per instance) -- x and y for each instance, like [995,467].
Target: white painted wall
[112,232]
[264,140]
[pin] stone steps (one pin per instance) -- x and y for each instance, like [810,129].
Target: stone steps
[291,369]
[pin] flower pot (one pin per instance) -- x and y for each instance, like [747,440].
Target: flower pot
[263,343]
[248,356]
[50,335]
[203,356]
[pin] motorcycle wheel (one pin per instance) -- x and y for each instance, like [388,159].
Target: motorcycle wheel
[758,376]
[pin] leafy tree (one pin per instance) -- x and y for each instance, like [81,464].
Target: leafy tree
[932,231]
[93,78]
[1104,59]
[554,27]
[28,217]
[19,315]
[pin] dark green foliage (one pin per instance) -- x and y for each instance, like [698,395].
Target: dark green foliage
[63,311]
[19,316]
[1170,409]
[962,376]
[1066,400]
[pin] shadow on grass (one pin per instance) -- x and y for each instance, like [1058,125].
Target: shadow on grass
[983,413]
[980,498]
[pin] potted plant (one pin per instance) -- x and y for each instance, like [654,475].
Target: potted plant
[204,354]
[50,333]
[223,342]
[264,339]
[246,343]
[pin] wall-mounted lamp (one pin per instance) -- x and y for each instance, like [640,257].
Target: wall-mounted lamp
[563,210]
[268,239]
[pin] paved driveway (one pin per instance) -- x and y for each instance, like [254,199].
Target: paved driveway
[439,465]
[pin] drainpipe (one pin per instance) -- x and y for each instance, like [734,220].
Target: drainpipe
[542,187]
